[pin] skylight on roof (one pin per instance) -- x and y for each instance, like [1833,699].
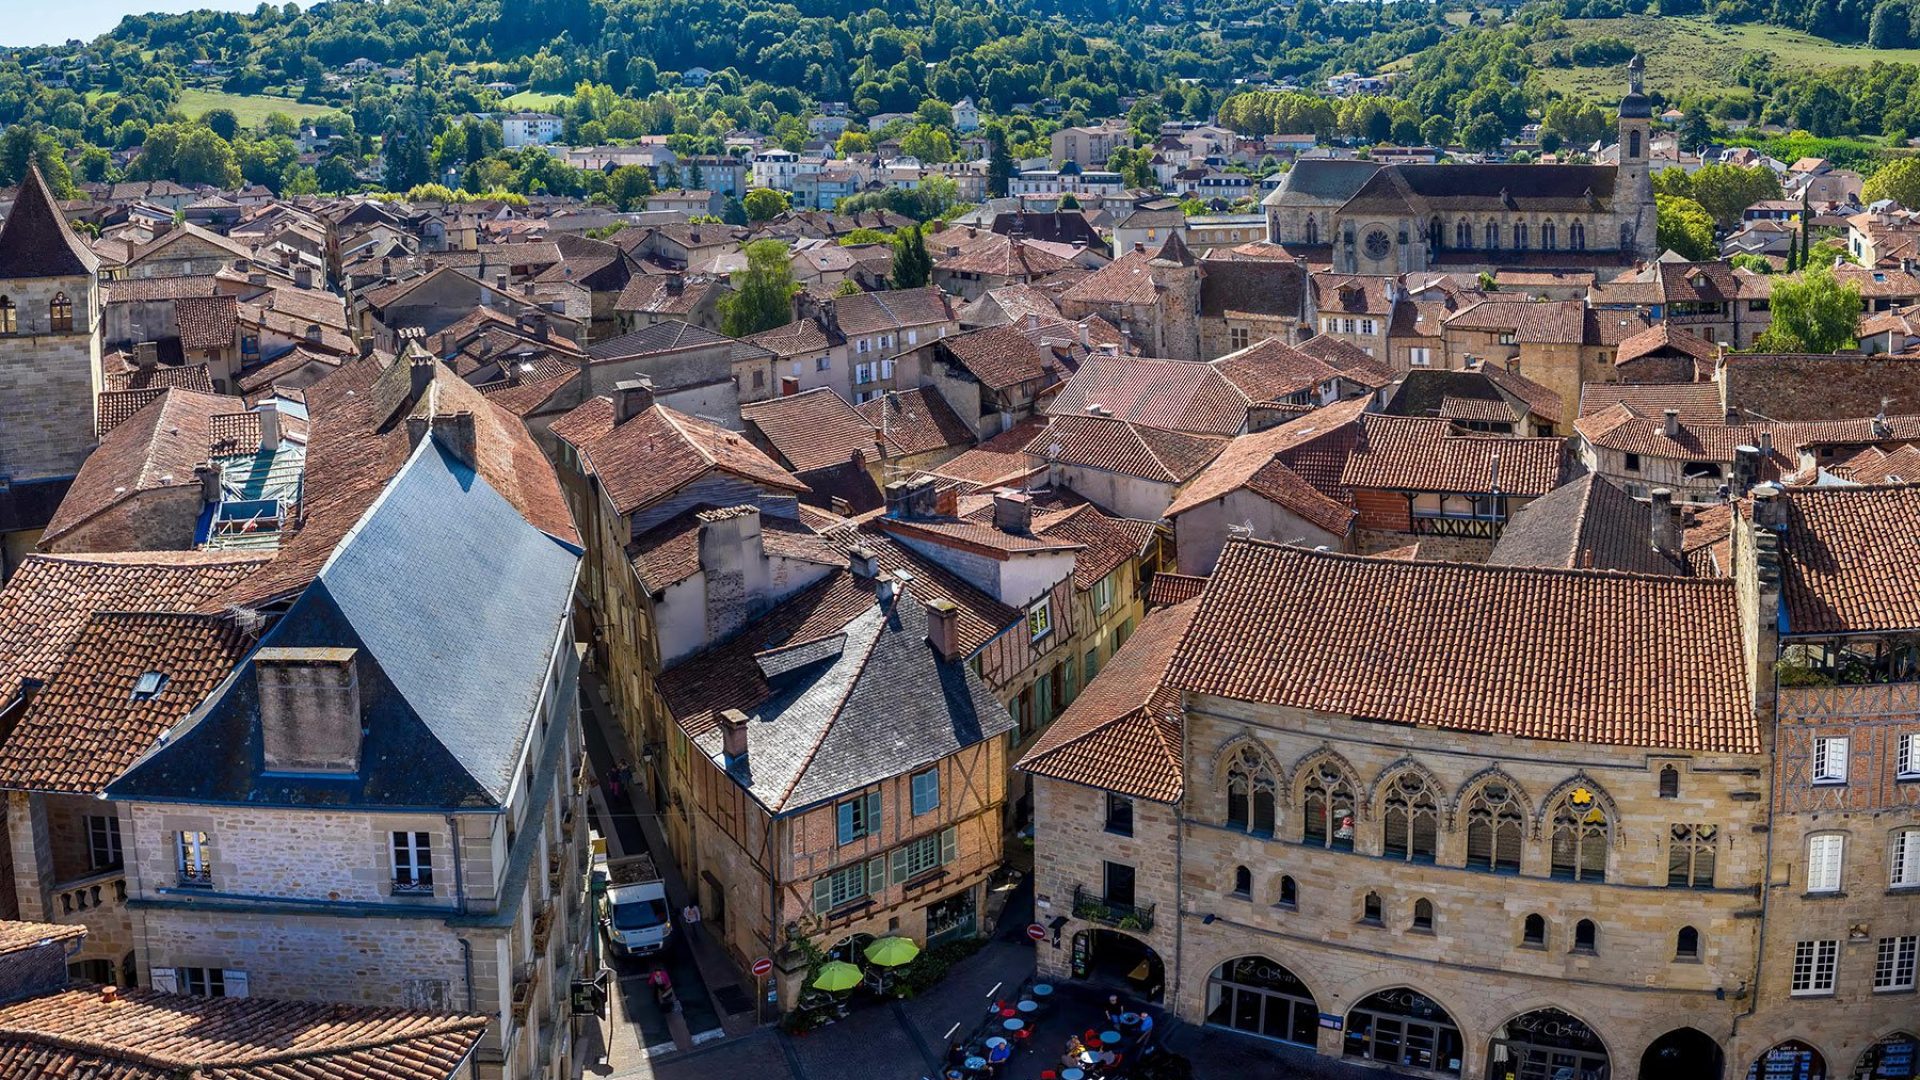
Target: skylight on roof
[148,685]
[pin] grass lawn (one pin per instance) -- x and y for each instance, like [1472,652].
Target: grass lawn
[252,109]
[533,100]
[1692,52]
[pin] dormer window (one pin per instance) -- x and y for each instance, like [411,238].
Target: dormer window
[148,686]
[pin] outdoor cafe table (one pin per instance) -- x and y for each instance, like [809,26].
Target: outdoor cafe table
[1110,1038]
[1028,1006]
[1042,991]
[1072,1074]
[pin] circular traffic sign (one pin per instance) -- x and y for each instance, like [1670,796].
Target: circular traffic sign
[1036,931]
[762,967]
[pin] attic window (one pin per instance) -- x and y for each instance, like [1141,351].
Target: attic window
[148,685]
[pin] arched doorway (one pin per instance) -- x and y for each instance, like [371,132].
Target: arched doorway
[1682,1054]
[851,949]
[1546,1044]
[1111,958]
[1404,1027]
[1261,997]
[1894,1057]
[1790,1060]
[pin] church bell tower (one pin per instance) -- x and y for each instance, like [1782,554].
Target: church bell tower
[1633,188]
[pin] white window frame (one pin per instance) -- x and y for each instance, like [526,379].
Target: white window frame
[1103,593]
[210,982]
[1369,327]
[886,369]
[1908,767]
[1826,862]
[823,363]
[1420,356]
[103,841]
[1904,869]
[193,857]
[411,851]
[1815,964]
[862,345]
[1040,619]
[1894,963]
[1830,754]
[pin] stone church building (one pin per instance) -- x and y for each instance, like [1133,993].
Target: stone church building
[1396,219]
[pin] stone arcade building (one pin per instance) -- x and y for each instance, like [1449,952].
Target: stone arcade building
[1513,820]
[1397,219]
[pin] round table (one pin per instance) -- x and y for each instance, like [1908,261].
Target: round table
[1089,1058]
[1042,991]
[1110,1038]
[1072,1074]
[996,1041]
[1129,1019]
[975,1064]
[1014,1025]
[1028,1006]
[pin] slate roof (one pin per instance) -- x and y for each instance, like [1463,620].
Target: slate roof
[1176,395]
[85,726]
[659,450]
[662,337]
[183,376]
[1588,524]
[451,668]
[1848,559]
[1321,182]
[1422,454]
[1114,445]
[77,1034]
[35,240]
[814,429]
[1565,655]
[842,691]
[50,599]
[1124,732]
[1446,189]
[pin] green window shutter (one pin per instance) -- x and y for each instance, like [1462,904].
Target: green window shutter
[823,894]
[899,865]
[876,875]
[949,844]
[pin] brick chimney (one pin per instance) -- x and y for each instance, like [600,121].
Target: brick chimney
[733,738]
[1013,512]
[1666,524]
[454,432]
[631,397]
[943,627]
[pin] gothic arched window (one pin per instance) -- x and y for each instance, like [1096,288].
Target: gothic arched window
[1520,236]
[1493,235]
[1410,819]
[1633,144]
[1463,234]
[1495,827]
[1577,236]
[1250,794]
[1313,229]
[1580,834]
[1328,808]
[1548,236]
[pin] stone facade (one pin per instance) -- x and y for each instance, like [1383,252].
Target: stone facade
[48,378]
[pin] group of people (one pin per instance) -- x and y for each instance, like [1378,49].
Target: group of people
[620,778]
[1096,1052]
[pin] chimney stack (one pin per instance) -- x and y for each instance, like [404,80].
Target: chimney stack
[733,738]
[303,277]
[146,355]
[896,494]
[922,500]
[1666,524]
[863,563]
[631,397]
[943,626]
[419,370]
[209,476]
[269,428]
[455,433]
[1673,423]
[1013,512]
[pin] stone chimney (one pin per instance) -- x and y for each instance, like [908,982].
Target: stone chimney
[1013,512]
[146,355]
[303,277]
[309,709]
[863,563]
[730,554]
[454,432]
[631,397]
[943,627]
[1666,524]
[419,371]
[676,285]
[1673,423]
[922,499]
[500,283]
[208,474]
[1746,470]
[733,738]
[535,321]
[896,495]
[269,428]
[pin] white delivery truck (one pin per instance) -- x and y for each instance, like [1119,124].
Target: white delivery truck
[633,904]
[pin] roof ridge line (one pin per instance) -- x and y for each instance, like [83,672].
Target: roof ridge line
[840,697]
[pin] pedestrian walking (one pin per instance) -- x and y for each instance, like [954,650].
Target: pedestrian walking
[690,915]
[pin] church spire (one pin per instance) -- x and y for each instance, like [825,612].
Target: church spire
[36,241]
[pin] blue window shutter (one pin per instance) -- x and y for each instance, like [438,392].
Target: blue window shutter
[876,875]
[846,822]
[873,813]
[899,865]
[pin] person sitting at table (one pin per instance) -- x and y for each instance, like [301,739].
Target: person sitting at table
[1070,1057]
[1109,1060]
[956,1053]
[997,1056]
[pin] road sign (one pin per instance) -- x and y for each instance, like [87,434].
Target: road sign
[762,967]
[1036,932]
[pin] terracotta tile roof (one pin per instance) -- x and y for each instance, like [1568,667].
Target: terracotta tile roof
[1124,732]
[15,936]
[1107,541]
[1273,371]
[1554,322]
[1126,280]
[982,617]
[86,726]
[78,1034]
[799,337]
[1348,358]
[659,450]
[1265,464]
[1175,395]
[1588,524]
[990,254]
[50,599]
[878,312]
[1708,439]
[669,552]
[1697,401]
[155,448]
[1848,558]
[814,429]
[1114,445]
[115,407]
[207,322]
[1566,655]
[656,294]
[1352,294]
[1878,465]
[999,356]
[1001,461]
[184,376]
[140,290]
[357,443]
[1666,337]
[917,421]
[980,538]
[1169,588]
[1420,454]
[1540,400]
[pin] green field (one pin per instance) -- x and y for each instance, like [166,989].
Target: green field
[532,100]
[252,109]
[1691,52]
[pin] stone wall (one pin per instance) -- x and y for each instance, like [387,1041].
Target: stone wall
[47,381]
